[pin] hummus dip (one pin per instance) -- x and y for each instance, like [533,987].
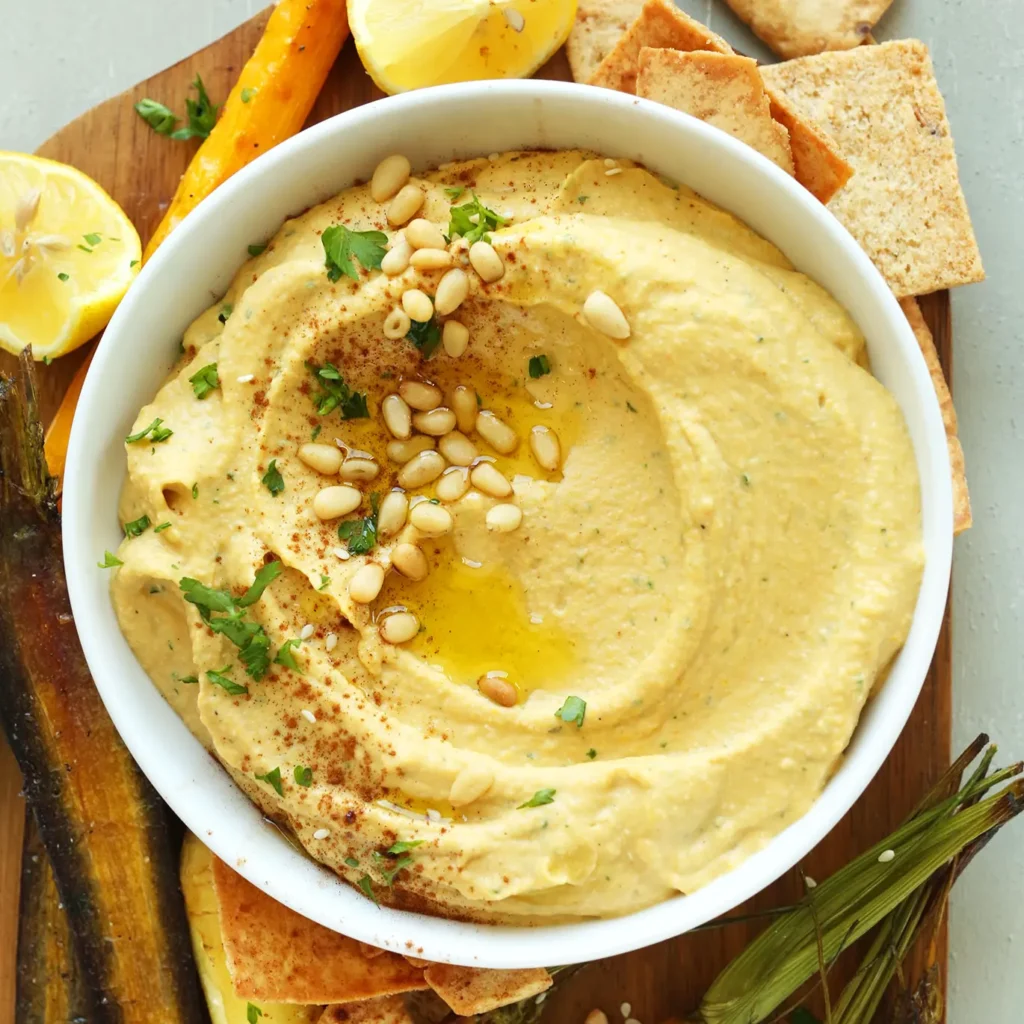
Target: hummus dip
[627,650]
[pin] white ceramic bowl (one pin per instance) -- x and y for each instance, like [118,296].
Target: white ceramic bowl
[193,268]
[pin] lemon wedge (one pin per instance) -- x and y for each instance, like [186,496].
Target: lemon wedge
[67,255]
[409,44]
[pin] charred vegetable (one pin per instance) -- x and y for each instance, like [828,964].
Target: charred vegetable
[104,828]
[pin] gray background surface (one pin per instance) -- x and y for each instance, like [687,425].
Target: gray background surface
[59,57]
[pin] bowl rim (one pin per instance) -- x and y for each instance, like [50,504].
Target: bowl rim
[250,844]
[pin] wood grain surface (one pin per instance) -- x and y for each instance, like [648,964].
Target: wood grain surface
[140,169]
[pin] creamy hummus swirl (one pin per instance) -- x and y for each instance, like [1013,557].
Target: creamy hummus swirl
[721,568]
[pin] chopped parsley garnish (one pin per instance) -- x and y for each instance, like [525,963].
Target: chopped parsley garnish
[258,249]
[191,680]
[132,263]
[63,277]
[582,199]
[252,1013]
[247,94]
[425,335]
[573,710]
[403,846]
[201,113]
[272,778]
[221,679]
[336,394]
[225,311]
[195,491]
[341,244]
[160,118]
[591,753]
[361,534]
[161,527]
[109,561]
[630,406]
[249,637]
[473,221]
[390,868]
[84,248]
[316,432]
[204,381]
[286,658]
[366,884]
[154,432]
[454,191]
[539,366]
[92,238]
[352,862]
[539,799]
[325,582]
[272,479]
[303,775]
[136,526]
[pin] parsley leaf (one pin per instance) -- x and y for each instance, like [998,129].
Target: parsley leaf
[154,432]
[366,884]
[252,1013]
[195,491]
[582,199]
[539,799]
[92,238]
[109,561]
[136,526]
[272,778]
[352,862]
[191,680]
[425,335]
[361,534]
[258,249]
[247,94]
[286,658]
[225,312]
[218,677]
[573,710]
[341,244]
[204,381]
[161,527]
[473,220]
[404,846]
[389,868]
[591,753]
[272,479]
[263,578]
[325,582]
[539,366]
[303,775]
[454,191]
[336,394]
[202,115]
[160,118]
[63,277]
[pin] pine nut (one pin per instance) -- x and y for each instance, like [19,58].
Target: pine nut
[392,514]
[454,336]
[500,436]
[359,470]
[397,416]
[437,422]
[418,305]
[545,447]
[430,519]
[366,583]
[465,405]
[486,262]
[453,484]
[602,313]
[389,176]
[396,324]
[403,451]
[431,259]
[469,785]
[504,518]
[420,470]
[498,689]
[324,458]
[487,479]
[424,235]
[399,628]
[457,448]
[420,395]
[396,259]
[406,204]
[452,290]
[410,561]
[333,502]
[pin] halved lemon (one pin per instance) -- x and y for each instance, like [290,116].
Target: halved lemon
[67,255]
[409,44]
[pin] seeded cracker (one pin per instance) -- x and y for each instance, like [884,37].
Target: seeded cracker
[904,205]
[471,990]
[817,164]
[961,499]
[796,28]
[599,26]
[723,89]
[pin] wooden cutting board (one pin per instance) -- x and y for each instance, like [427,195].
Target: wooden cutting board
[140,170]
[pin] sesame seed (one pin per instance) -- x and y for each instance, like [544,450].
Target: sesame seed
[536,618]
[331,641]
[609,162]
[613,172]
[469,562]
[433,815]
[626,1009]
[321,833]
[307,631]
[341,553]
[308,716]
[886,855]
[515,20]
[810,882]
[247,378]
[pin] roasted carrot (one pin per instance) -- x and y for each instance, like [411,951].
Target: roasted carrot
[270,102]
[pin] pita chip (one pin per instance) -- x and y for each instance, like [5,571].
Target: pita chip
[723,89]
[796,28]
[472,990]
[387,1010]
[961,499]
[817,164]
[277,956]
[599,26]
[882,106]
